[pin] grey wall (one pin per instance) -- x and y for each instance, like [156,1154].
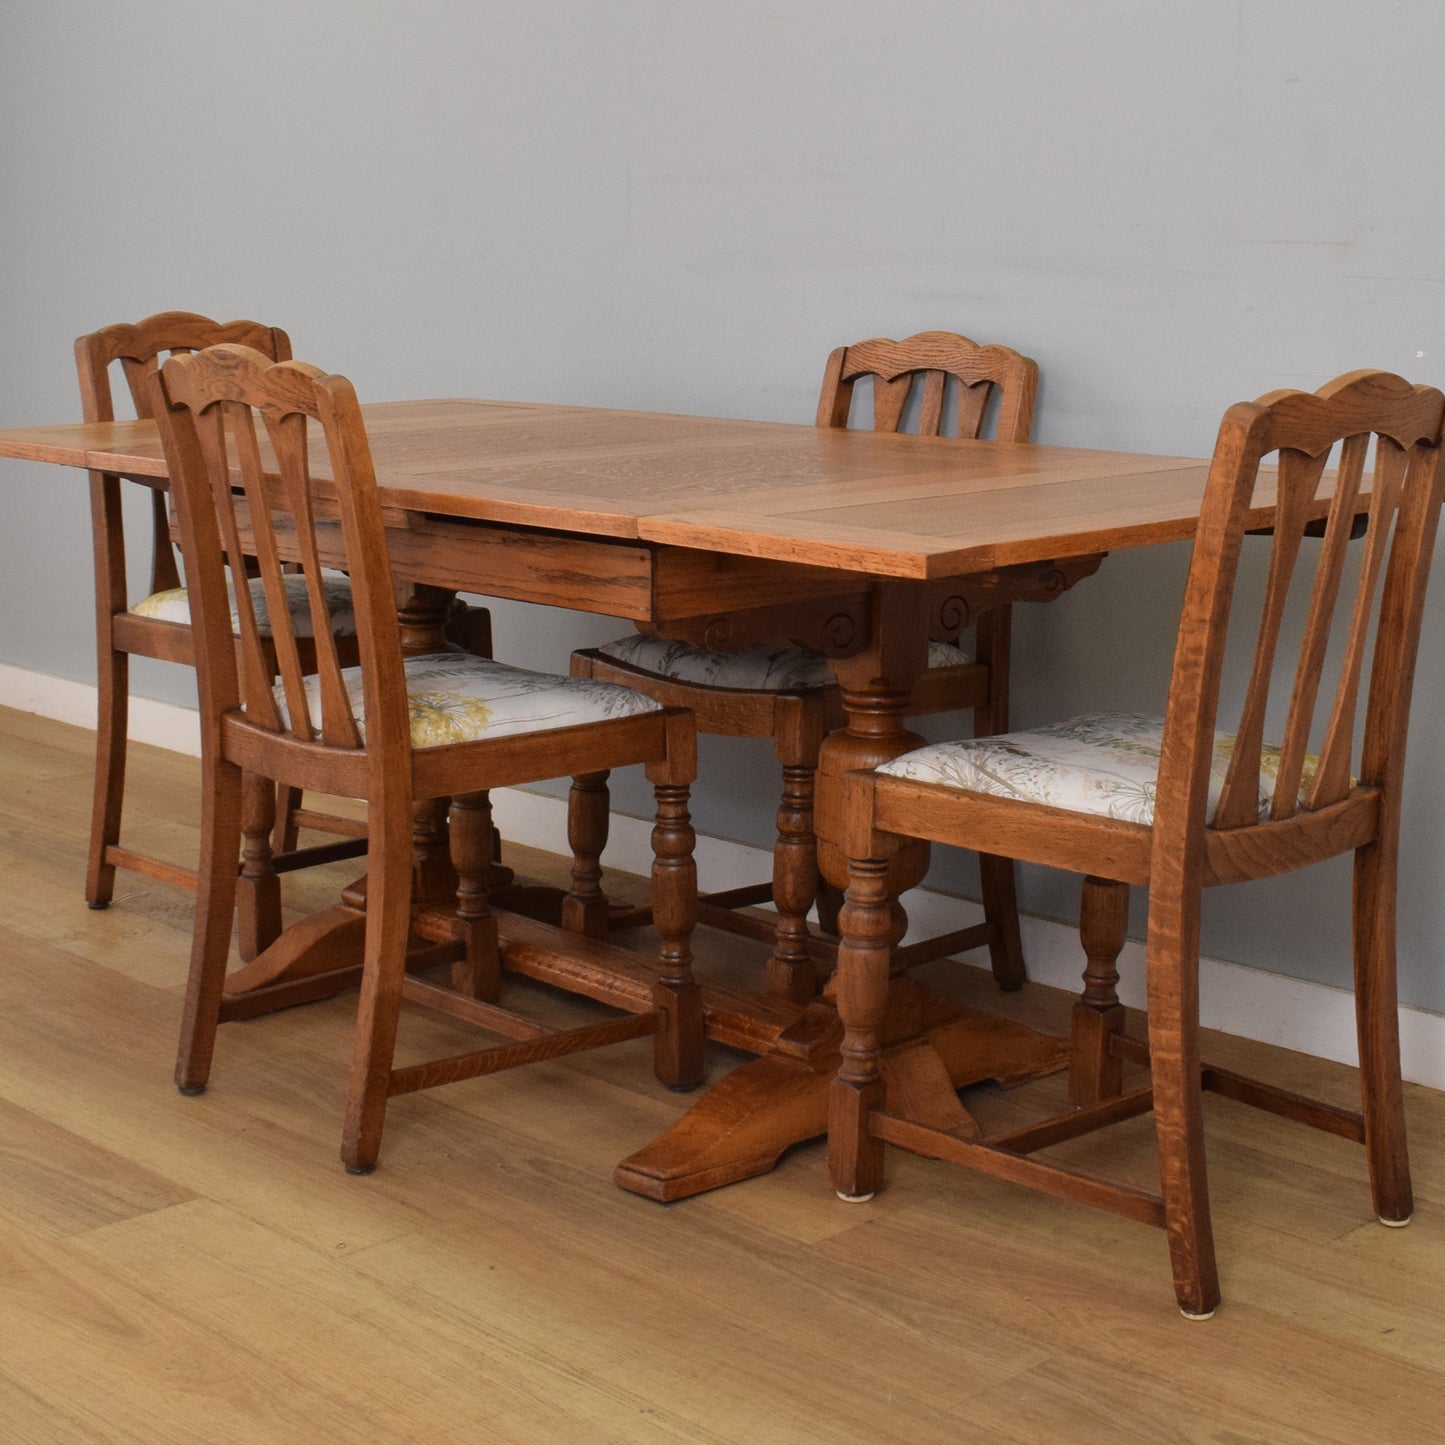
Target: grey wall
[680,206]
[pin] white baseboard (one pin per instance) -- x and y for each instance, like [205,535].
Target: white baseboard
[163,724]
[1247,1002]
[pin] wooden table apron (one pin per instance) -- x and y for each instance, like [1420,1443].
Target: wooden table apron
[724,533]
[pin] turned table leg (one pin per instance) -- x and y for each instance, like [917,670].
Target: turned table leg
[876,684]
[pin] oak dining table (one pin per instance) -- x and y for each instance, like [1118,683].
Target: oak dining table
[863,545]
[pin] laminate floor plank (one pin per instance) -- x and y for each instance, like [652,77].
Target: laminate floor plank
[58,1184]
[182,1270]
[1272,1366]
[650,1324]
[132,1359]
[1095,1402]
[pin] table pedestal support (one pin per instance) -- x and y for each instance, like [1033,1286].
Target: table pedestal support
[931,1047]
[743,1125]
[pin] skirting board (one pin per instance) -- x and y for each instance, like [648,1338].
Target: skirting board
[1247,1002]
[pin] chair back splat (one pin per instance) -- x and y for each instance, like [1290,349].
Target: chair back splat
[140,348]
[1403,500]
[932,362]
[260,498]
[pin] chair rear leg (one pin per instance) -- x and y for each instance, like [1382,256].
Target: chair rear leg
[998,876]
[469,627]
[1377,1021]
[211,930]
[999,884]
[113,697]
[284,838]
[678,1048]
[829,900]
[388,927]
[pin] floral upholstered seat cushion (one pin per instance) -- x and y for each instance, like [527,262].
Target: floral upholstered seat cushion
[770,667]
[1103,763]
[174,605]
[456,698]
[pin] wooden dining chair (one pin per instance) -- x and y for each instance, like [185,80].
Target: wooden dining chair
[393,732]
[1173,804]
[158,625]
[935,382]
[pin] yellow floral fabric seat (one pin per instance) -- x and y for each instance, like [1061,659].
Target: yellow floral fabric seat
[1101,763]
[770,667]
[456,698]
[174,605]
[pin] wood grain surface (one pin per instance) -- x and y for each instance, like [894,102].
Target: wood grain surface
[878,503]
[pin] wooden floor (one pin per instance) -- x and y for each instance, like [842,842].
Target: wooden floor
[202,1270]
